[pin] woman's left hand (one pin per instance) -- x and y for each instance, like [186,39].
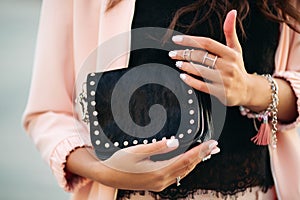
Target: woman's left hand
[222,65]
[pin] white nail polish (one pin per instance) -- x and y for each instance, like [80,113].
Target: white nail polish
[179,64]
[182,76]
[212,145]
[177,38]
[172,54]
[206,158]
[235,13]
[172,143]
[215,151]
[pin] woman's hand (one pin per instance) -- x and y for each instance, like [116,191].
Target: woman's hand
[132,169]
[228,79]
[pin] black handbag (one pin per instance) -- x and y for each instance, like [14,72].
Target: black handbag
[142,105]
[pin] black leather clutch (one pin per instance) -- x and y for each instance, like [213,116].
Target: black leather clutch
[142,105]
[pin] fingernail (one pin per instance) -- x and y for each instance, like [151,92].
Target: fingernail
[182,76]
[206,158]
[172,143]
[172,54]
[215,151]
[212,145]
[177,38]
[235,12]
[179,64]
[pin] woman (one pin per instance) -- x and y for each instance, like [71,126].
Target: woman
[71,30]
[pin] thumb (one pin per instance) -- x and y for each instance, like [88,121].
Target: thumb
[229,28]
[135,159]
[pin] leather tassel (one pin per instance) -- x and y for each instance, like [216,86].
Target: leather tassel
[264,133]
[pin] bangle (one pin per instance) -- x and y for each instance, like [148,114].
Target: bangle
[263,135]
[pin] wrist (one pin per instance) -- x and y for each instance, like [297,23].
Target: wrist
[258,95]
[83,162]
[268,115]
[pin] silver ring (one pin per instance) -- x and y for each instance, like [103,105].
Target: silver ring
[178,181]
[213,60]
[187,54]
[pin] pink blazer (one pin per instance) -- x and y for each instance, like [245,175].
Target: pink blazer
[69,32]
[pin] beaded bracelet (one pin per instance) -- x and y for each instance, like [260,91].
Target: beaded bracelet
[263,135]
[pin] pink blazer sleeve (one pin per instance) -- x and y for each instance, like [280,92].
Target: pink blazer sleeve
[48,118]
[288,65]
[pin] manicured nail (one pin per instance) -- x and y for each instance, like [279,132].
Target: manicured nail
[212,149]
[206,158]
[179,64]
[235,12]
[212,145]
[177,38]
[215,151]
[182,76]
[172,54]
[172,143]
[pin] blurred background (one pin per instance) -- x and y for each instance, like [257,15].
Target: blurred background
[23,174]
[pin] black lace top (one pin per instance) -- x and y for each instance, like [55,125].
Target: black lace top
[240,164]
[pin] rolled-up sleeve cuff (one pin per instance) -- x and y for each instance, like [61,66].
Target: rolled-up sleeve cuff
[294,79]
[68,181]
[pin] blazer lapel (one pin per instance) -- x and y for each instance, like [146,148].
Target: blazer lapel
[114,36]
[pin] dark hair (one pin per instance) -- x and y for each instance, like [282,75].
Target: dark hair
[284,12]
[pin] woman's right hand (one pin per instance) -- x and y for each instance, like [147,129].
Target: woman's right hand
[131,168]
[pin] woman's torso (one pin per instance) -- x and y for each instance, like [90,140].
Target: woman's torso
[241,164]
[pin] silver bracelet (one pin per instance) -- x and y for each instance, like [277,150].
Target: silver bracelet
[271,111]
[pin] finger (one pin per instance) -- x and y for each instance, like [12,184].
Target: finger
[209,44]
[197,56]
[147,150]
[192,156]
[137,157]
[199,70]
[188,161]
[229,29]
[202,86]
[216,89]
